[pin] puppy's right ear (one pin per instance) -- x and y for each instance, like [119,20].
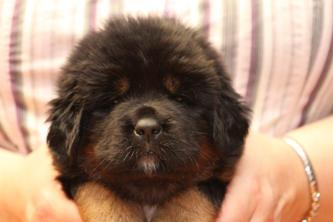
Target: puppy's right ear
[65,129]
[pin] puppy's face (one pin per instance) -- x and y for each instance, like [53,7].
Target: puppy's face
[145,107]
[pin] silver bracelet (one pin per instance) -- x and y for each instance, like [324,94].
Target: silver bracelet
[309,171]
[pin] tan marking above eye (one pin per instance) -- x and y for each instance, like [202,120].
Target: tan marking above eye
[171,83]
[122,85]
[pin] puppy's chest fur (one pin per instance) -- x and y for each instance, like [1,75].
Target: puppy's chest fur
[98,204]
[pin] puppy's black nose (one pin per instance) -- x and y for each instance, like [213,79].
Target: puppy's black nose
[148,129]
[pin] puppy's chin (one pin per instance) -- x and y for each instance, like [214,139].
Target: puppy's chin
[148,164]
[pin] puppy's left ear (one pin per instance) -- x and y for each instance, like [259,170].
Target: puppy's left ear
[231,116]
[230,128]
[230,123]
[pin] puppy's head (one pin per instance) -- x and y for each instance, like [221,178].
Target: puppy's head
[145,105]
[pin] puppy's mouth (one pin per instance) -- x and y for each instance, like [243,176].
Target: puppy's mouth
[148,162]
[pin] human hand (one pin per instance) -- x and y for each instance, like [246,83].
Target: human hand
[269,184]
[36,195]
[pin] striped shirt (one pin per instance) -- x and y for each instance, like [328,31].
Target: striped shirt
[278,53]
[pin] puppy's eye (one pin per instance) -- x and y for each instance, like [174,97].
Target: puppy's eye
[115,101]
[101,111]
[181,99]
[105,109]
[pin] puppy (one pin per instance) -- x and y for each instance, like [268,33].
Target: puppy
[146,126]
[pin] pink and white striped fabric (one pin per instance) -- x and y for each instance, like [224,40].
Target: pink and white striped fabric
[279,55]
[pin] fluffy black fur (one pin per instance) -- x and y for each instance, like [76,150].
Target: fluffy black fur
[91,134]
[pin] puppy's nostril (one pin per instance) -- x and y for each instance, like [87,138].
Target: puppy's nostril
[156,131]
[147,128]
[139,132]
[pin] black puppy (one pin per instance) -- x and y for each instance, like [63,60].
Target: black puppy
[146,124]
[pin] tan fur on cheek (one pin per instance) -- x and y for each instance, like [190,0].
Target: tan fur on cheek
[171,83]
[189,206]
[98,204]
[122,85]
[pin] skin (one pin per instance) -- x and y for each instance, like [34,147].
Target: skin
[269,184]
